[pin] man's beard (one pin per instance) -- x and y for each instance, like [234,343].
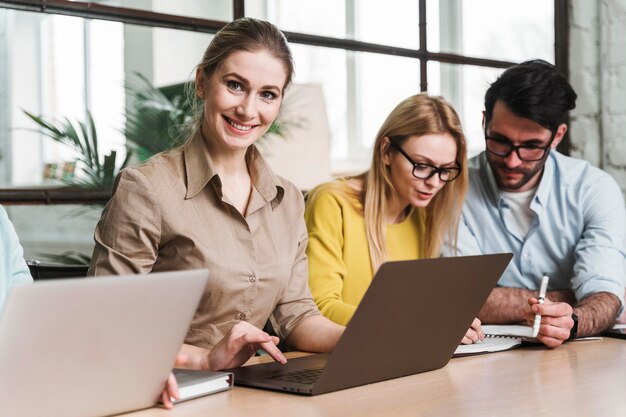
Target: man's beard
[499,169]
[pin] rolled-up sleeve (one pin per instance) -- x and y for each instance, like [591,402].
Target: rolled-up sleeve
[296,302]
[600,256]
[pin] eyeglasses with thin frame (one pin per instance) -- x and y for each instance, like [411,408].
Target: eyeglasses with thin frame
[528,153]
[425,171]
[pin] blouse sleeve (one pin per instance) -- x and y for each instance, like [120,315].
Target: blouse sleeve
[128,233]
[296,302]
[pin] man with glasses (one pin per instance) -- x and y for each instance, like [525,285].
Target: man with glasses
[558,215]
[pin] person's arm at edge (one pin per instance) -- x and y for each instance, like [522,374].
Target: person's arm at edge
[20,274]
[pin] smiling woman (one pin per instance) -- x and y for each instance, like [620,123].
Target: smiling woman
[214,203]
[241,99]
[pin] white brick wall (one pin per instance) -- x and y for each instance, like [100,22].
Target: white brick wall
[598,74]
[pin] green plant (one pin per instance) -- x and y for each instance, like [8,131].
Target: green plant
[160,118]
[157,119]
[98,172]
[68,258]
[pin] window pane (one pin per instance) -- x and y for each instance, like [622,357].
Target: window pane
[199,9]
[383,81]
[392,22]
[45,231]
[327,67]
[365,20]
[464,86]
[60,67]
[320,17]
[495,29]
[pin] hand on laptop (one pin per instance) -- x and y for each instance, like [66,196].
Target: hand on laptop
[556,321]
[239,345]
[171,386]
[474,333]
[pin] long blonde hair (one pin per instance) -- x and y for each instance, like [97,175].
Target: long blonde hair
[417,115]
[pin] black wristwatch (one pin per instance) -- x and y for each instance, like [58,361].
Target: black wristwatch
[574,332]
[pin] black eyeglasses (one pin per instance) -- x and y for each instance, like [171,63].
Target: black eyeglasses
[528,153]
[425,171]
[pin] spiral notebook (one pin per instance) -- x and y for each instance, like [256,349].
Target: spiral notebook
[497,338]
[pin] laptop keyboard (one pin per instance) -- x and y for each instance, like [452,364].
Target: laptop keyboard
[303,376]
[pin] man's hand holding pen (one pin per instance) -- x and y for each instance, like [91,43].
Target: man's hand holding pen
[556,321]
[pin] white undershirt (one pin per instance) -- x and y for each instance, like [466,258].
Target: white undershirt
[519,215]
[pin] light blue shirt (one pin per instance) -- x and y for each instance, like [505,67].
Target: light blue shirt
[13,269]
[577,237]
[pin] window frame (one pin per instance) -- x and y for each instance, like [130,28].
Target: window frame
[162,20]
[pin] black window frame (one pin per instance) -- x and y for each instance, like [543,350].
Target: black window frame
[89,10]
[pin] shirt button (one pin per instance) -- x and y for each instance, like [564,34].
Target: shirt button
[242,316]
[252,278]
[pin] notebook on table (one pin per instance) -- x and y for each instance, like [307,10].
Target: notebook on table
[411,319]
[193,384]
[497,339]
[94,346]
[618,331]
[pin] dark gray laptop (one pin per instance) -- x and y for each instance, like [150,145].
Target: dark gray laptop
[411,320]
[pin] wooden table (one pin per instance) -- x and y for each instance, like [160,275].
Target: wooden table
[586,378]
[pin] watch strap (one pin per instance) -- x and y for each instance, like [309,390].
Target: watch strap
[574,330]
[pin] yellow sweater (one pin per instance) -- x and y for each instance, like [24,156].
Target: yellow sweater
[340,268]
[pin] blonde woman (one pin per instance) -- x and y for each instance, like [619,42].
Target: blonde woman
[401,208]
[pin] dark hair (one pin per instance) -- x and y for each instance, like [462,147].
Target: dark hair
[534,90]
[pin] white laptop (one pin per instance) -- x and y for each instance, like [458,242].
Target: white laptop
[94,346]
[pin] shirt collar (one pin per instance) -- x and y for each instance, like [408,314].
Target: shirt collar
[493,192]
[547,177]
[200,170]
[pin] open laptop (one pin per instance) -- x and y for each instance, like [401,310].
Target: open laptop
[411,320]
[94,346]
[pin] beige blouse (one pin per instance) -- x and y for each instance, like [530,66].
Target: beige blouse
[170,214]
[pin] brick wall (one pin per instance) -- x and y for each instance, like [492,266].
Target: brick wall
[598,74]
